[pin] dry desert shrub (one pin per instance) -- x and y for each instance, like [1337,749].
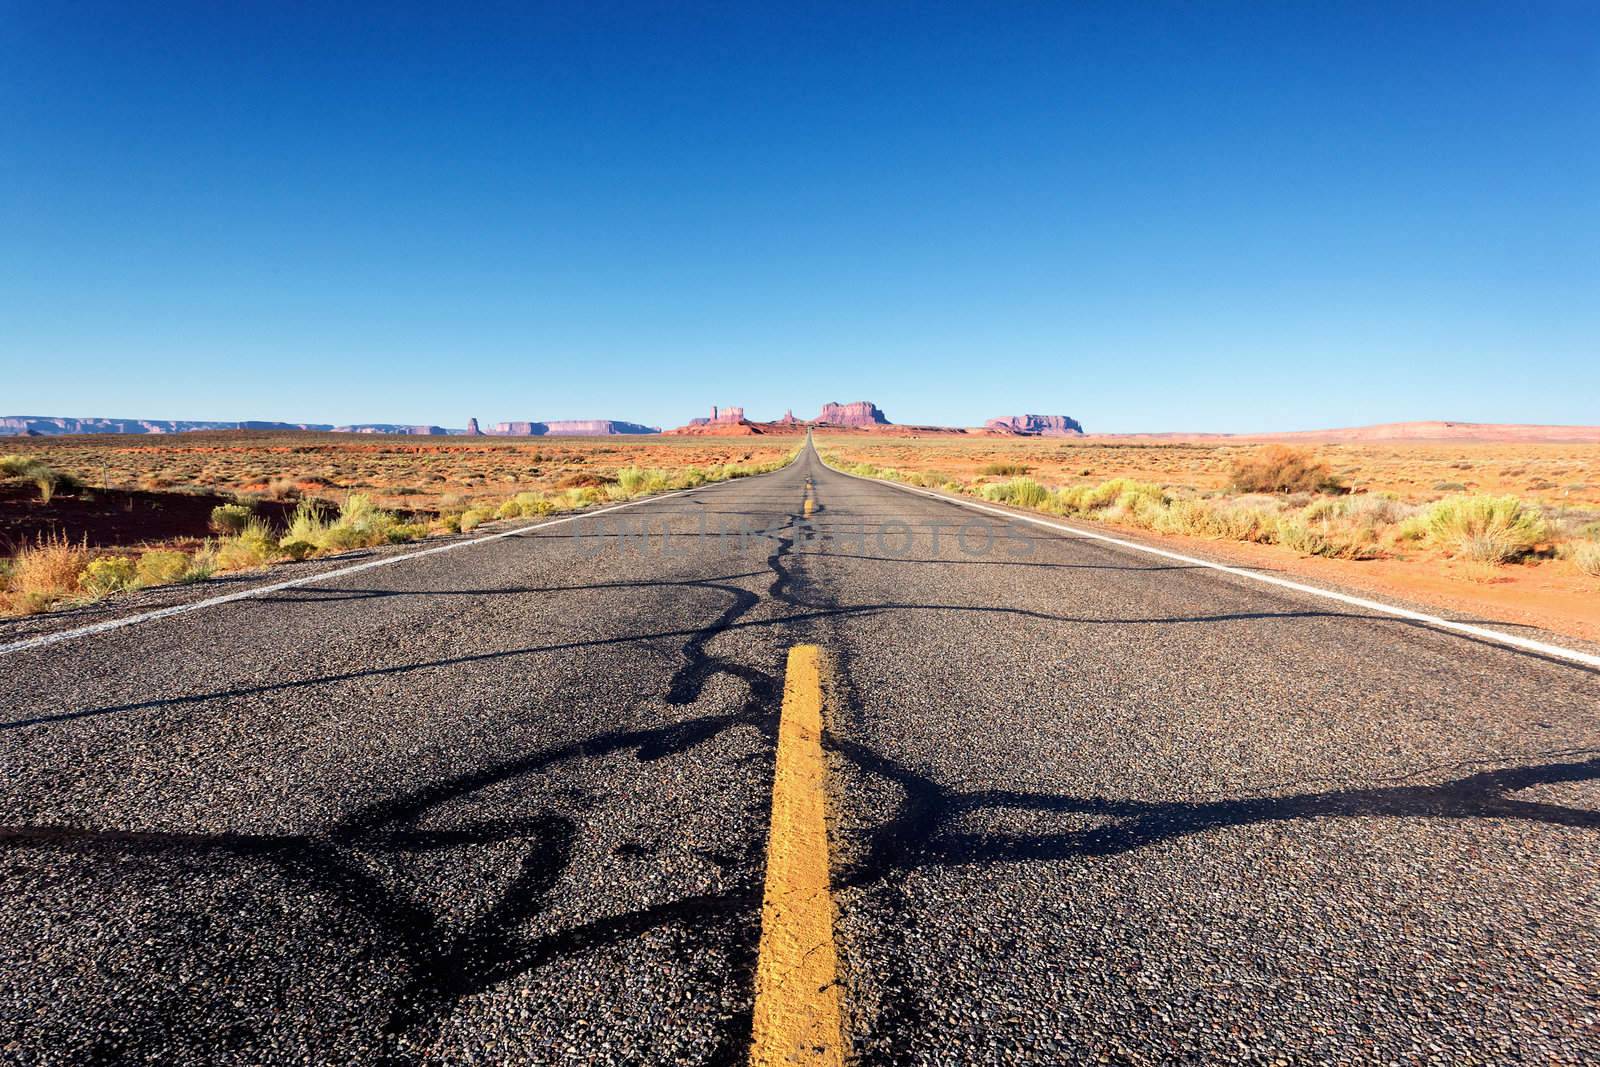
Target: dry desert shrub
[162,566]
[1018,492]
[45,572]
[1488,529]
[1328,537]
[531,504]
[45,478]
[472,518]
[1586,554]
[1280,469]
[359,524]
[228,520]
[253,546]
[107,575]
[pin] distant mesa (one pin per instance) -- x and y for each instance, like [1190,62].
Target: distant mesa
[1037,425]
[50,426]
[861,413]
[370,427]
[570,428]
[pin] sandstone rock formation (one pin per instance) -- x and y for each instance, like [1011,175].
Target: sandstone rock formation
[707,428]
[49,426]
[1041,425]
[859,413]
[728,416]
[366,427]
[38,425]
[571,428]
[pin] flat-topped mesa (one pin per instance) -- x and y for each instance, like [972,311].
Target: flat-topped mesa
[1039,425]
[51,426]
[571,428]
[859,413]
[387,428]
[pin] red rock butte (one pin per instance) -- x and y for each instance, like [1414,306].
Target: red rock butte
[570,428]
[858,413]
[1038,425]
[862,414]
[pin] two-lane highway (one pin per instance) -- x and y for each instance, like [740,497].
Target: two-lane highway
[513,802]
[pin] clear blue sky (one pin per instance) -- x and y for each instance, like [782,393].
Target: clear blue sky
[1202,216]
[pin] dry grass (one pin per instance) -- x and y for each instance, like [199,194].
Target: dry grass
[254,546]
[45,478]
[229,520]
[1585,555]
[43,573]
[162,567]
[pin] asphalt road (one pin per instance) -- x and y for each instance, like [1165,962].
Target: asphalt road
[510,803]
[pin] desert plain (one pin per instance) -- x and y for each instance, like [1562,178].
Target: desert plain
[121,496]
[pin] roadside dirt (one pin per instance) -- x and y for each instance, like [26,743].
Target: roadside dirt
[1551,595]
[109,518]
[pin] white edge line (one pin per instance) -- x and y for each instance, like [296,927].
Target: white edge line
[1556,651]
[245,594]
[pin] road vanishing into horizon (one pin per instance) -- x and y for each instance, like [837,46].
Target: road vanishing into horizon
[514,801]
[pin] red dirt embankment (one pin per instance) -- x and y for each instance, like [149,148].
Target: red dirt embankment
[109,518]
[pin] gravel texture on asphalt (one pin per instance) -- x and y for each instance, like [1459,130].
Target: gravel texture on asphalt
[508,804]
[1097,806]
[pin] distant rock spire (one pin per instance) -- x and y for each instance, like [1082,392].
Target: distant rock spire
[472,428]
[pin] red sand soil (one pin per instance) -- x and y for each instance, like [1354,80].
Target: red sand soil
[1549,594]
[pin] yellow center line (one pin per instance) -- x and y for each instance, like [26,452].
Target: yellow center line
[797,994]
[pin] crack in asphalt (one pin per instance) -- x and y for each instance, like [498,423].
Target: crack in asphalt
[445,963]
